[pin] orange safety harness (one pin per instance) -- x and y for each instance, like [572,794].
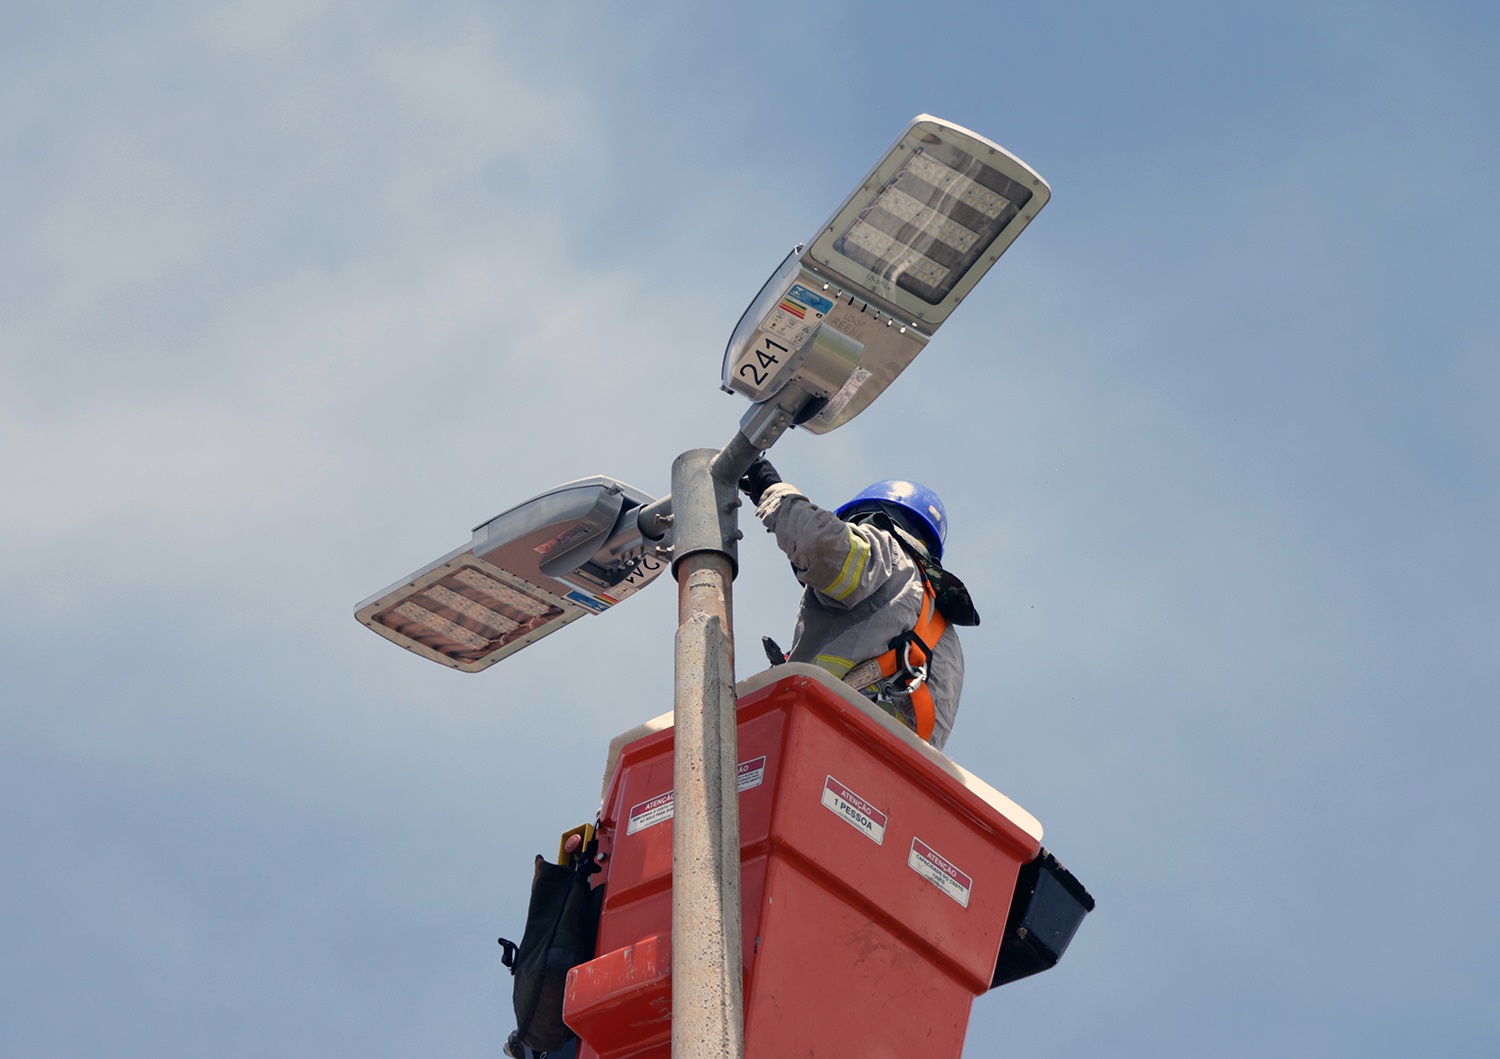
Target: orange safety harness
[904,667]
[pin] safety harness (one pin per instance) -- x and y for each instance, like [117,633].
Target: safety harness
[903,668]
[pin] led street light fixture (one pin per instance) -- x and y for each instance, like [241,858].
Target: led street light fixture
[527,572]
[844,315]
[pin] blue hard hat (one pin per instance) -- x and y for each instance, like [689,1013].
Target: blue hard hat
[928,517]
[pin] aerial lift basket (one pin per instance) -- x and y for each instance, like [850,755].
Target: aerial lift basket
[876,882]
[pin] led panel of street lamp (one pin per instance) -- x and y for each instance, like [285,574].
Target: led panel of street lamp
[526,573]
[845,314]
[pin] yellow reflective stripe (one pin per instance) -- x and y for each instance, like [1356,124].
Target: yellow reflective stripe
[854,568]
[836,665]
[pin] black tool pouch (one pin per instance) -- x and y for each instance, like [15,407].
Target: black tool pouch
[952,598]
[561,925]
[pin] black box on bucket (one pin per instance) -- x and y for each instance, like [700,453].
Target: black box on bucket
[1048,905]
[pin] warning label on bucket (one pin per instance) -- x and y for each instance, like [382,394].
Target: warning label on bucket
[941,872]
[854,810]
[652,811]
[752,773]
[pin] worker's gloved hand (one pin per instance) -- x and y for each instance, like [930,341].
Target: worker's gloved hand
[759,477]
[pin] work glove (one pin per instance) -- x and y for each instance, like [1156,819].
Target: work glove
[759,477]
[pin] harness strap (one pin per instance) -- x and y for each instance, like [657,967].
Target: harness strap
[908,659]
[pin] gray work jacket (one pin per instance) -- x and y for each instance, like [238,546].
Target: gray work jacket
[861,589]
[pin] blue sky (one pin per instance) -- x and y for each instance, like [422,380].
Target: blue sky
[293,294]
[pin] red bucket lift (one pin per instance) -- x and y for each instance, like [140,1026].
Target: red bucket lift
[877,879]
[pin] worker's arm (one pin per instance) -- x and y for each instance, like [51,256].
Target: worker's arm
[844,564]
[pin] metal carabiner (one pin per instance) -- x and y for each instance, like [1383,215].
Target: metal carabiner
[917,674]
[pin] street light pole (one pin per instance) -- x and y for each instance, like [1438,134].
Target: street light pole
[832,328]
[707,984]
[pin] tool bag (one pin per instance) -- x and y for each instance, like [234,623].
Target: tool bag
[562,922]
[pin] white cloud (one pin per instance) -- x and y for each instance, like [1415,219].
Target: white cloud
[66,474]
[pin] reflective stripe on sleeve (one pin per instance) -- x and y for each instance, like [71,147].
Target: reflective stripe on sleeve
[854,568]
[835,665]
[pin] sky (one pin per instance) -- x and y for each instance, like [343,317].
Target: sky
[292,295]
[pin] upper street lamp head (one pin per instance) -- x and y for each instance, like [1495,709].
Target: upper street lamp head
[850,309]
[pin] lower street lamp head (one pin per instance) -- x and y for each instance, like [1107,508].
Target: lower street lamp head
[573,550]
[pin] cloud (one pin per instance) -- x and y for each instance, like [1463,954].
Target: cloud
[70,474]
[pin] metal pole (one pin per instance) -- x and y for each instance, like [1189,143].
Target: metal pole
[707,988]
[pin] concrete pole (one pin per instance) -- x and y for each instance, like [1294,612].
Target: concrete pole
[708,1019]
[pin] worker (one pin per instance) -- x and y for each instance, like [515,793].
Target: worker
[877,606]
